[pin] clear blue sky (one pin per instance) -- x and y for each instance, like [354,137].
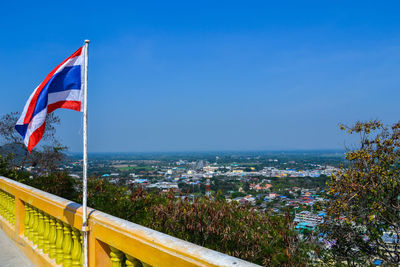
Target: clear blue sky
[210,75]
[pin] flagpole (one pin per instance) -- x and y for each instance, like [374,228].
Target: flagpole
[84,187]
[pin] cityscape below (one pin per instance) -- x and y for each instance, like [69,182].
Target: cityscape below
[276,181]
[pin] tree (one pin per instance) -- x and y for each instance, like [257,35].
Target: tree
[10,135]
[47,158]
[231,228]
[365,198]
[246,187]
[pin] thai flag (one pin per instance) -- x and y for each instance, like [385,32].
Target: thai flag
[62,88]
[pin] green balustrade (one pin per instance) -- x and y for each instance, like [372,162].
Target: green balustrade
[117,257]
[40,229]
[132,262]
[35,227]
[81,242]
[11,206]
[67,246]
[59,242]
[120,259]
[52,238]
[13,210]
[2,201]
[4,205]
[1,204]
[76,252]
[7,207]
[57,239]
[26,220]
[31,222]
[9,215]
[46,234]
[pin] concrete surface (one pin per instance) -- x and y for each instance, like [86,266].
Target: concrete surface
[10,255]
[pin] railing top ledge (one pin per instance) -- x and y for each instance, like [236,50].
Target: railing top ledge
[35,190]
[54,199]
[168,242]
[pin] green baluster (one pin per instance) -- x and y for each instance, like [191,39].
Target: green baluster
[67,246]
[116,257]
[13,210]
[46,233]
[59,242]
[5,205]
[10,208]
[35,234]
[40,230]
[26,220]
[132,262]
[31,221]
[52,238]
[81,242]
[1,204]
[76,249]
[8,216]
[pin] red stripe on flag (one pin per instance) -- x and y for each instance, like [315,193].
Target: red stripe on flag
[32,104]
[74,105]
[36,136]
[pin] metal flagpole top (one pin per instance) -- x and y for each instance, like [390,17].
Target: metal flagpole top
[87,41]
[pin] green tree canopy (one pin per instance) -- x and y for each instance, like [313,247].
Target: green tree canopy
[365,197]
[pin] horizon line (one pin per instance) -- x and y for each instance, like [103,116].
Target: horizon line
[213,151]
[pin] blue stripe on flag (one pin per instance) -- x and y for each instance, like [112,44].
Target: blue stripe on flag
[21,129]
[67,79]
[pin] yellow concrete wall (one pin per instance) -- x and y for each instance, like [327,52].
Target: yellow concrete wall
[47,229]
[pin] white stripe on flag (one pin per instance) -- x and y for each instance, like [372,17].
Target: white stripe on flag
[22,117]
[35,123]
[68,95]
[71,62]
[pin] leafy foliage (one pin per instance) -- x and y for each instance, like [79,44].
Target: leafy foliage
[365,204]
[236,230]
[226,227]
[47,158]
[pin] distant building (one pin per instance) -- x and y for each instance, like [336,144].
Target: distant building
[200,165]
[308,220]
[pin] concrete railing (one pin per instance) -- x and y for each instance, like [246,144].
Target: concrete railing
[47,229]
